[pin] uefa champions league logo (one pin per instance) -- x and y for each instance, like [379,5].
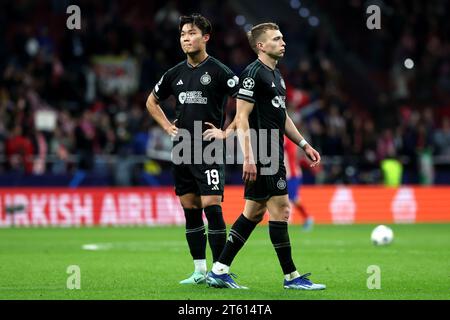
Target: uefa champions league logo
[248,83]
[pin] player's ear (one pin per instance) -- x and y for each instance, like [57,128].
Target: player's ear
[260,46]
[206,37]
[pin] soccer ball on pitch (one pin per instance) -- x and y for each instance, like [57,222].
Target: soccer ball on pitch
[382,235]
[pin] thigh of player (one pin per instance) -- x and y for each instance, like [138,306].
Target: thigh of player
[184,181]
[278,203]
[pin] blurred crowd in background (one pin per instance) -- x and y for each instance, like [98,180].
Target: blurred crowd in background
[72,102]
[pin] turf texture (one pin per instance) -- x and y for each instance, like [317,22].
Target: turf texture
[148,263]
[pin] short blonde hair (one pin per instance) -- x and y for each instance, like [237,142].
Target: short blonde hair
[258,30]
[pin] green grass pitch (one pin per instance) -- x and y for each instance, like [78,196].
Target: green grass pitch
[147,263]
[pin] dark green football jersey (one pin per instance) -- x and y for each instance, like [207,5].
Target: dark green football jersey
[265,88]
[201,92]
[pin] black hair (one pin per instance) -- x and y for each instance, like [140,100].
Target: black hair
[197,20]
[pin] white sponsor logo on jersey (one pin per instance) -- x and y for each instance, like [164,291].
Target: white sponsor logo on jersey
[192,97]
[279,101]
[182,97]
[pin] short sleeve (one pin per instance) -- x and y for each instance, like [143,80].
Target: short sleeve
[231,83]
[247,86]
[163,88]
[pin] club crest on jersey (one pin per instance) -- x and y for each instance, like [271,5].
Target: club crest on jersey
[283,84]
[248,83]
[205,79]
[281,184]
[233,81]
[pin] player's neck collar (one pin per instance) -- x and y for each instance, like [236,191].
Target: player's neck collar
[266,66]
[200,64]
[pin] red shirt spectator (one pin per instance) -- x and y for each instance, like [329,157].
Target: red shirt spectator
[19,151]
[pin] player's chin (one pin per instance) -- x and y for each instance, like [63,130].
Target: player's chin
[191,51]
[278,56]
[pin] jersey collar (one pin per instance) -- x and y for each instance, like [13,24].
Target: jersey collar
[199,65]
[265,65]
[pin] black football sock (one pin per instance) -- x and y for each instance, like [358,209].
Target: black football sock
[279,236]
[239,233]
[195,233]
[217,230]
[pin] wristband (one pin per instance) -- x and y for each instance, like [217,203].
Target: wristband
[302,143]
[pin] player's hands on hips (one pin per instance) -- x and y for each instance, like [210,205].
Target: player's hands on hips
[249,172]
[172,130]
[312,155]
[213,133]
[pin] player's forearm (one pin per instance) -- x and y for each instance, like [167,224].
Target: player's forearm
[292,132]
[230,129]
[157,113]
[242,127]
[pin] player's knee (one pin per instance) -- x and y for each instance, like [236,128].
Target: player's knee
[258,215]
[211,201]
[191,202]
[191,205]
[284,211]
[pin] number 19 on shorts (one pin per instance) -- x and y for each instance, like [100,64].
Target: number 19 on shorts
[212,176]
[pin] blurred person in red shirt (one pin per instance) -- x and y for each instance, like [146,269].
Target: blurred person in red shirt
[19,151]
